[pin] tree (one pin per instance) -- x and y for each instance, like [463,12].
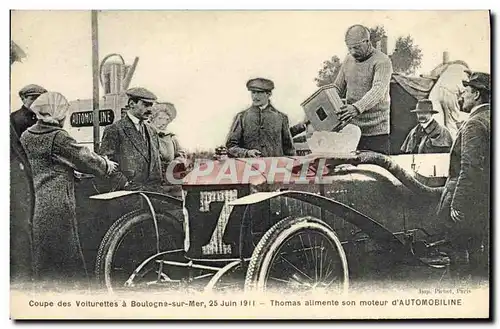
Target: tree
[376,34]
[406,57]
[329,72]
[331,67]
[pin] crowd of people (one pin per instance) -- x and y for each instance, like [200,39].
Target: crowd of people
[133,155]
[136,151]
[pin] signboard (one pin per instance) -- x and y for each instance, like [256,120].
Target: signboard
[85,118]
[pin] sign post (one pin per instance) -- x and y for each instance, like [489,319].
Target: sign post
[86,118]
[95,77]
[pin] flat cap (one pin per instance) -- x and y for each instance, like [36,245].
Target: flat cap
[32,89]
[424,106]
[141,93]
[478,80]
[260,84]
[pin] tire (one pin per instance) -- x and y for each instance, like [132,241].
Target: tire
[115,248]
[269,249]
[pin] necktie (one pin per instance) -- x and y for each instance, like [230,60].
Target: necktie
[142,130]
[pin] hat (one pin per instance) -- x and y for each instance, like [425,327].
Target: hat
[168,108]
[141,93]
[424,106]
[50,107]
[260,84]
[478,80]
[32,90]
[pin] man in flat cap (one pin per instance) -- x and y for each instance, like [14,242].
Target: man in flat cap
[261,130]
[428,136]
[24,118]
[465,203]
[134,144]
[364,80]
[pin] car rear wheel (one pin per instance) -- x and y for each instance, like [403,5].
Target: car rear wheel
[298,255]
[129,242]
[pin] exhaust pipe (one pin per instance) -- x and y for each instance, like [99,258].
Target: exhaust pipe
[401,174]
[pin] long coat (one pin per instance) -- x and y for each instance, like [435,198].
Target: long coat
[138,159]
[434,139]
[171,152]
[22,119]
[22,202]
[54,155]
[467,188]
[265,130]
[170,148]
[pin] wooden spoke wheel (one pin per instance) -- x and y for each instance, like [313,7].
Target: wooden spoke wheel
[298,255]
[129,242]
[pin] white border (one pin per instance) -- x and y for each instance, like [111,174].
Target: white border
[191,5]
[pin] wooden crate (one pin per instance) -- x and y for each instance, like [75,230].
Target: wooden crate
[321,108]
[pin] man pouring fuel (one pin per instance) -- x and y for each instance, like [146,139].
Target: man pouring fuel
[364,80]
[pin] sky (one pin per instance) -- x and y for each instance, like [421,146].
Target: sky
[201,60]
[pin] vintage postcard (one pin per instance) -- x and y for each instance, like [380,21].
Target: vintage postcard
[250,164]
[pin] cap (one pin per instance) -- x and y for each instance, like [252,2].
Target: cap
[168,108]
[424,106]
[478,80]
[260,84]
[141,93]
[32,89]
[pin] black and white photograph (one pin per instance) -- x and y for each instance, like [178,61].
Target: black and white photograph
[250,164]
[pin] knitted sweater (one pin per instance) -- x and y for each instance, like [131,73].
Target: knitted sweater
[365,85]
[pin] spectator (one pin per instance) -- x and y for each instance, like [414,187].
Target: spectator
[428,136]
[54,155]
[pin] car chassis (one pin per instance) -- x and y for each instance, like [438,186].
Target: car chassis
[257,233]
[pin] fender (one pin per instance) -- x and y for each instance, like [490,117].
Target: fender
[122,194]
[365,223]
[146,196]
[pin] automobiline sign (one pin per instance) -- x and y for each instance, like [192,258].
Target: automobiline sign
[86,118]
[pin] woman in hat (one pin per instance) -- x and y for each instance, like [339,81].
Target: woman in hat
[171,152]
[54,155]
